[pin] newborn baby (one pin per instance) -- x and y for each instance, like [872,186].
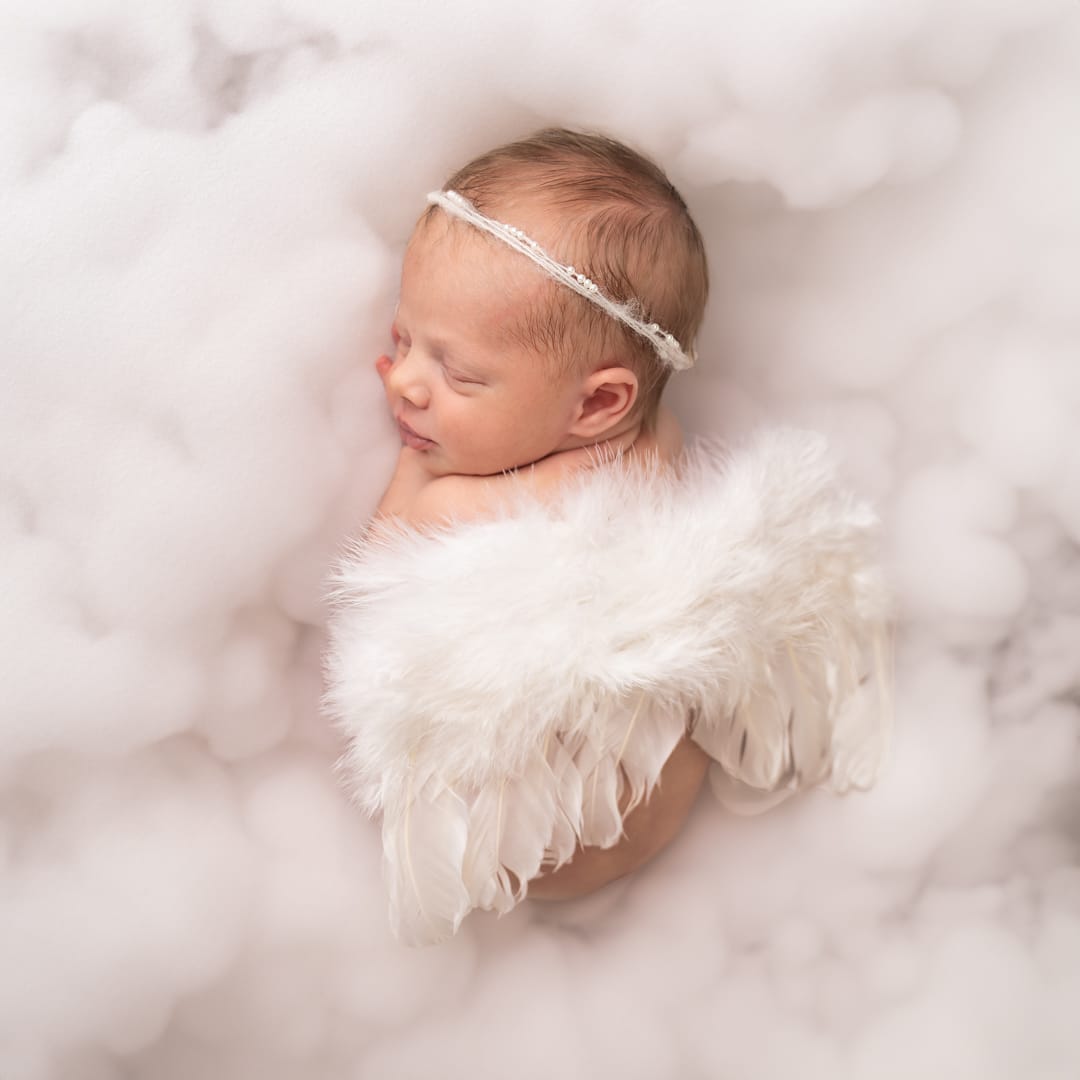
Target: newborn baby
[503,379]
[560,619]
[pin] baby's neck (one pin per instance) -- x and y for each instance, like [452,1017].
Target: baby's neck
[618,440]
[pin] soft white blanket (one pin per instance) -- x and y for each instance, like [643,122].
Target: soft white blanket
[504,684]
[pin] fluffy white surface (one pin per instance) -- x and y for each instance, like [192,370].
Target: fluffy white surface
[203,207]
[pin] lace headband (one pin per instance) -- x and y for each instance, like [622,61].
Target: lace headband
[667,348]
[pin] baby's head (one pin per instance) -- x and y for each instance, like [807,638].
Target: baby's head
[499,363]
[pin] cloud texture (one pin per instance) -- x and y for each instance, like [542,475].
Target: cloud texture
[203,209]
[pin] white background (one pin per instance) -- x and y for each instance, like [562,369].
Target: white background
[202,210]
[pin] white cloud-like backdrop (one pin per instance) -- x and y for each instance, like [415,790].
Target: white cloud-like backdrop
[203,208]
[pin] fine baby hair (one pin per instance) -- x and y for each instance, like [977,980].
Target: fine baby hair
[622,229]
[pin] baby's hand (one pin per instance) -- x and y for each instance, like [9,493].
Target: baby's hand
[382,366]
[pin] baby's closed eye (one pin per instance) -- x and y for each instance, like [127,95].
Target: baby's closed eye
[462,378]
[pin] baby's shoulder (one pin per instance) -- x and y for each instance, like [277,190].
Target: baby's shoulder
[455,499]
[447,500]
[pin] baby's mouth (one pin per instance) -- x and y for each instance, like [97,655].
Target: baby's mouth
[411,439]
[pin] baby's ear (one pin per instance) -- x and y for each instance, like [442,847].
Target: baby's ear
[607,396]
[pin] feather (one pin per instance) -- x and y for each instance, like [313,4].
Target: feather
[487,884]
[601,822]
[752,744]
[423,850]
[741,798]
[837,732]
[528,828]
[864,722]
[647,745]
[520,824]
[568,818]
[811,720]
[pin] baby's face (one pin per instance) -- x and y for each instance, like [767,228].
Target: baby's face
[465,395]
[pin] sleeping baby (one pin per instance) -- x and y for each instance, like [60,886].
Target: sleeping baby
[559,618]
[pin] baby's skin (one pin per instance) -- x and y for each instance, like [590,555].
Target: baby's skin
[480,421]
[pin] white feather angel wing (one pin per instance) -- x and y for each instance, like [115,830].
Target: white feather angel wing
[511,689]
[812,704]
[811,720]
[423,848]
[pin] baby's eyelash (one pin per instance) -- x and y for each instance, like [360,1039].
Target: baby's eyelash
[460,378]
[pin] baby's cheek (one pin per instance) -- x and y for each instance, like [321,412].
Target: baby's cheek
[382,366]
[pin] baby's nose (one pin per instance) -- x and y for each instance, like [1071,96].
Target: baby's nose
[403,380]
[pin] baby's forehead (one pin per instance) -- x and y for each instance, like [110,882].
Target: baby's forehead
[457,261]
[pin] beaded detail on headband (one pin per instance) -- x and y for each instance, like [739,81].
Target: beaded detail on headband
[667,348]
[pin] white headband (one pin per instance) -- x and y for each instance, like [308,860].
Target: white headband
[667,348]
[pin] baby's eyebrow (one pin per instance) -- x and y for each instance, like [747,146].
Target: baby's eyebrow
[440,345]
[447,350]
